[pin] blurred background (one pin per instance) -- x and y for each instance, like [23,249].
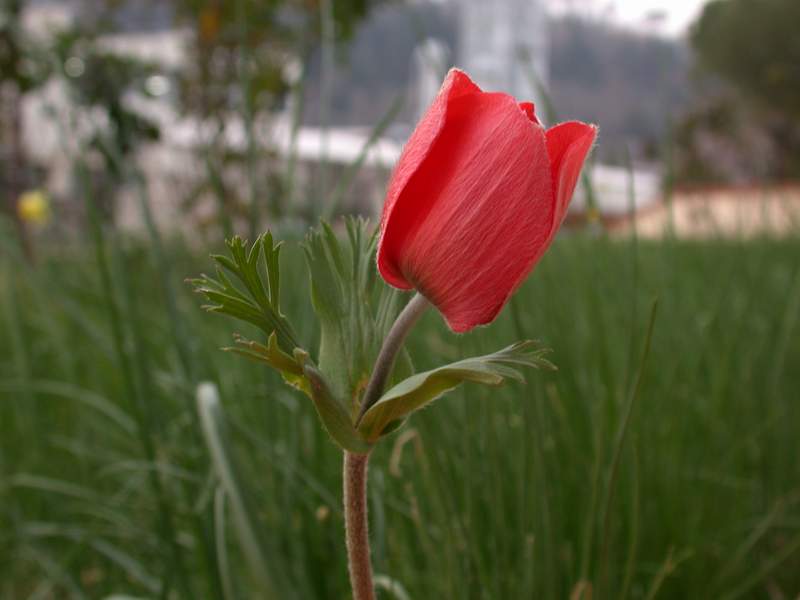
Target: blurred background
[136,135]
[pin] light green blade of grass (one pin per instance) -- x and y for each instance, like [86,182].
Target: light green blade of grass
[247,526]
[220,535]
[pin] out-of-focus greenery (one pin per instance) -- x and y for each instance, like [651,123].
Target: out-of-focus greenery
[98,83]
[244,59]
[20,60]
[254,42]
[538,490]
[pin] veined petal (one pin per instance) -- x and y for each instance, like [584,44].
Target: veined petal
[567,145]
[416,150]
[476,216]
[475,200]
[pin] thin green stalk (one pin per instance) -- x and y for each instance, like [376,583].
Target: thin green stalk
[248,117]
[631,191]
[20,352]
[618,447]
[298,98]
[346,180]
[633,539]
[590,527]
[391,346]
[166,278]
[355,465]
[547,527]
[788,550]
[163,266]
[328,39]
[166,519]
[220,537]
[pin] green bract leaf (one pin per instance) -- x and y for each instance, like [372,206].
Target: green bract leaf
[255,302]
[343,288]
[335,418]
[423,388]
[287,366]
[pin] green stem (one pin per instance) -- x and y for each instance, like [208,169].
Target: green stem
[355,465]
[391,346]
[356,527]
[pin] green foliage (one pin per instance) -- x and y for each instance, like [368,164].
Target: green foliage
[355,310]
[343,286]
[499,492]
[259,302]
[421,389]
[102,82]
[22,60]
[332,411]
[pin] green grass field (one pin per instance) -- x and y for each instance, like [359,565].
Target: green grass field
[546,490]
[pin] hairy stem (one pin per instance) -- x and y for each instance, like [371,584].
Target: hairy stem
[355,465]
[391,346]
[355,521]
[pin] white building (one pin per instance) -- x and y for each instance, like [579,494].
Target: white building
[503,45]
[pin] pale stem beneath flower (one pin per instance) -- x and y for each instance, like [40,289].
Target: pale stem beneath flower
[391,346]
[355,465]
[356,526]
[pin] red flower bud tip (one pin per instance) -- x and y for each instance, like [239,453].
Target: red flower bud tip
[475,200]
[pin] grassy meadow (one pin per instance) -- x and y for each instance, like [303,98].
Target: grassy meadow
[671,475]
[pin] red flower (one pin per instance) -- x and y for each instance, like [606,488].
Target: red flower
[475,200]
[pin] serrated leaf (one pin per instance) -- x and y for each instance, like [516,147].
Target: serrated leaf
[290,369]
[423,388]
[253,301]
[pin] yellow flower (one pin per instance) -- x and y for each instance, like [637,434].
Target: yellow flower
[33,207]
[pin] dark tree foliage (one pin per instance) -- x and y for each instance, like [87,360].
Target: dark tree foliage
[748,128]
[754,45]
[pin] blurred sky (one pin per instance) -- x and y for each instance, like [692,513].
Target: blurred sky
[668,17]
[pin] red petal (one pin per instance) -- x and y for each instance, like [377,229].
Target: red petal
[530,111]
[472,219]
[416,150]
[567,144]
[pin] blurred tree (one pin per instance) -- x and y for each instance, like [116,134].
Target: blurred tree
[22,69]
[754,45]
[749,129]
[244,58]
[719,143]
[99,82]
[257,41]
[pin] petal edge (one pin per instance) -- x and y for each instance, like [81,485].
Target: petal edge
[568,144]
[417,149]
